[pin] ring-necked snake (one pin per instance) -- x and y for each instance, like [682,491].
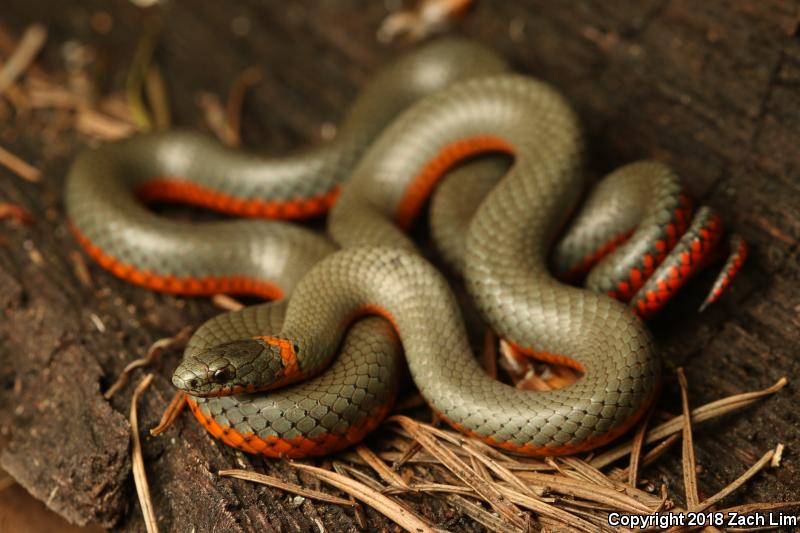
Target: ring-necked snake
[633,218]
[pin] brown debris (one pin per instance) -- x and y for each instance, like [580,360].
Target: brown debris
[214,114]
[96,124]
[136,84]
[29,46]
[248,78]
[400,514]
[463,471]
[80,268]
[636,449]
[689,462]
[223,301]
[139,472]
[14,212]
[424,18]
[156,90]
[19,167]
[284,486]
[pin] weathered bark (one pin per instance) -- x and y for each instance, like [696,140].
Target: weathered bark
[711,87]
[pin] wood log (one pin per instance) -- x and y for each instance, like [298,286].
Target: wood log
[713,88]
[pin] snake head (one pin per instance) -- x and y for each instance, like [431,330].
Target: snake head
[235,367]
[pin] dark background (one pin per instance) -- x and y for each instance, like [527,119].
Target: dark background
[713,88]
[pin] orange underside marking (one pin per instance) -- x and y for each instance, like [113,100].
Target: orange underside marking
[421,186]
[549,357]
[291,368]
[691,261]
[181,191]
[576,272]
[295,448]
[563,449]
[736,263]
[184,285]
[627,288]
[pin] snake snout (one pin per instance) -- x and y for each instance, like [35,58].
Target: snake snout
[187,378]
[200,379]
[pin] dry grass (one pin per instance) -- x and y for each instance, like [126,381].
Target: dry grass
[504,492]
[137,462]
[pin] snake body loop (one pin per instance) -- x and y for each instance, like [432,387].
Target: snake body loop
[509,230]
[506,268]
[262,258]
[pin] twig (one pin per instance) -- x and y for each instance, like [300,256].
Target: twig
[139,473]
[358,512]
[351,471]
[414,447]
[17,213]
[431,487]
[636,449]
[532,381]
[19,167]
[243,82]
[738,482]
[214,115]
[226,302]
[29,46]
[96,124]
[588,472]
[657,451]
[689,462]
[581,489]
[458,467]
[384,505]
[516,364]
[484,459]
[490,521]
[387,474]
[175,407]
[137,76]
[152,353]
[285,486]
[701,414]
[80,268]
[547,510]
[775,462]
[156,90]
[424,18]
[18,98]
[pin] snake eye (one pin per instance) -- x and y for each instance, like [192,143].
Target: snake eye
[222,375]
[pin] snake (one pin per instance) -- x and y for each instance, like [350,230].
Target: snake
[635,237]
